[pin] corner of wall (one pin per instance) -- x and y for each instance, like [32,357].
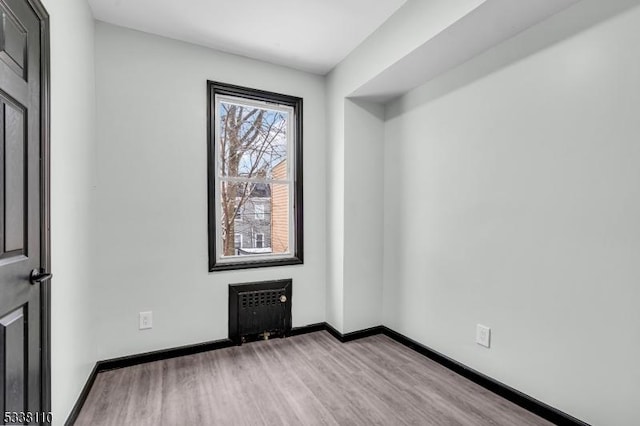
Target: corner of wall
[73,191]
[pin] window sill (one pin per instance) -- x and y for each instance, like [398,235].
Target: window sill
[266,263]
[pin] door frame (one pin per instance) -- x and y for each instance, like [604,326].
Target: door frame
[45,204]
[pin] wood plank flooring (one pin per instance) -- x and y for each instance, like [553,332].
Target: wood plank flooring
[311,379]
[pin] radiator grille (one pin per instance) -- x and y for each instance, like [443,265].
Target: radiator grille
[260,298]
[259,310]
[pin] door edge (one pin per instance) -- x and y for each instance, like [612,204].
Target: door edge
[45,203]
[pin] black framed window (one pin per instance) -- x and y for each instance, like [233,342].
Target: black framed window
[255,178]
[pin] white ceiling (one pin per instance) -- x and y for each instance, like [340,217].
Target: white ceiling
[310,35]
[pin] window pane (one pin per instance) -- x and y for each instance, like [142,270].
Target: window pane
[260,218]
[252,141]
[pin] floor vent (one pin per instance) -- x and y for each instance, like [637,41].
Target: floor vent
[259,310]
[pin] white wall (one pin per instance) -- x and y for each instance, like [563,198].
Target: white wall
[364,205]
[412,25]
[72,199]
[512,199]
[152,219]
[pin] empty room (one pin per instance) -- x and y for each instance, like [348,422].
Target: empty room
[320,212]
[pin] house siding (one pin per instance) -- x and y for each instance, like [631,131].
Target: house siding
[280,210]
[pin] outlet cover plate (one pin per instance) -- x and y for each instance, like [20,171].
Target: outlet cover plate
[483,335]
[146,320]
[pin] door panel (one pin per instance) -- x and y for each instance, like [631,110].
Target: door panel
[12,361]
[13,42]
[15,184]
[21,333]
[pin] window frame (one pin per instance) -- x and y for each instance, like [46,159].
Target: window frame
[261,234]
[295,257]
[238,234]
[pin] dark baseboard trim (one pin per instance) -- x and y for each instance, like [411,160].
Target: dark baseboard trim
[539,408]
[335,333]
[528,403]
[130,360]
[354,335]
[311,328]
[75,411]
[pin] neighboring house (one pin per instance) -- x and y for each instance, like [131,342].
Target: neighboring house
[252,225]
[262,223]
[280,210]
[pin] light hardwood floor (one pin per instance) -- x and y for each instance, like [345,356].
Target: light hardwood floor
[311,379]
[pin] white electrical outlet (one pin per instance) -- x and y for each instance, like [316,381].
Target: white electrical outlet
[483,335]
[146,320]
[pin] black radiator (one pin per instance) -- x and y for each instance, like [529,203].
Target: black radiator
[259,310]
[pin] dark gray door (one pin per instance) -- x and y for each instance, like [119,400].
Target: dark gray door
[21,367]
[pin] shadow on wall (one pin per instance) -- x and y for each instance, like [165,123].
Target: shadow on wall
[582,16]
